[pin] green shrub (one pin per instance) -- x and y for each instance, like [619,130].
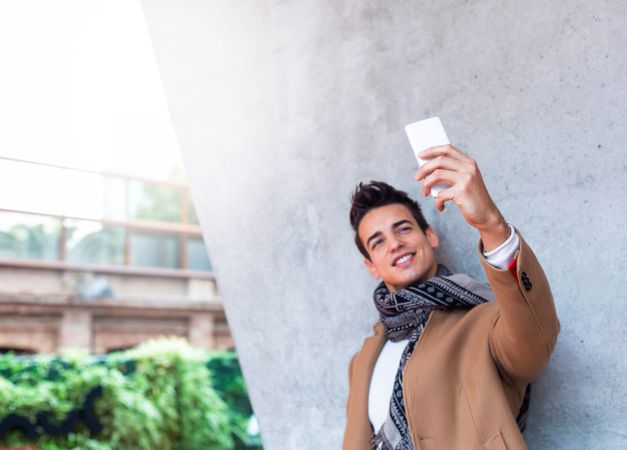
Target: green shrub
[163,395]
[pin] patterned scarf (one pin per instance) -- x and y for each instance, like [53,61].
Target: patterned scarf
[404,314]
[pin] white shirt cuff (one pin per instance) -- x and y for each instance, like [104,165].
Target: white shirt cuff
[502,255]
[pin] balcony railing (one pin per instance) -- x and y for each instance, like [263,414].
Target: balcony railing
[153,229]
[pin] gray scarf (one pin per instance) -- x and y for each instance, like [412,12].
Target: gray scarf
[404,314]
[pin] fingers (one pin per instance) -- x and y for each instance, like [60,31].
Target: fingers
[446,165]
[447,150]
[442,162]
[444,196]
[444,176]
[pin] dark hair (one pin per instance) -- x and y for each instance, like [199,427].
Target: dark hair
[373,195]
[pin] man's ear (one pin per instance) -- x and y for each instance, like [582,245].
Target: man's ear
[432,237]
[371,269]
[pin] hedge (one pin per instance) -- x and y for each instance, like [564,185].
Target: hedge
[163,394]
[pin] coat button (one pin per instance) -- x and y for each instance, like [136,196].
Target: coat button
[526,281]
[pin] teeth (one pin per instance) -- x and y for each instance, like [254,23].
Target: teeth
[403,259]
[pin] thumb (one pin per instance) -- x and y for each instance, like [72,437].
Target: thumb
[444,196]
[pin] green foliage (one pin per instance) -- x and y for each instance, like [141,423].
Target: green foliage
[158,202]
[23,240]
[192,216]
[103,246]
[223,365]
[162,394]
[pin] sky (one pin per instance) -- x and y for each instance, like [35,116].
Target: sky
[79,87]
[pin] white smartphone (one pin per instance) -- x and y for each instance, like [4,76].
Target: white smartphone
[424,134]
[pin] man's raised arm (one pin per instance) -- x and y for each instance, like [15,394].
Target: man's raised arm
[525,330]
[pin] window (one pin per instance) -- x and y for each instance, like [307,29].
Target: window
[26,236]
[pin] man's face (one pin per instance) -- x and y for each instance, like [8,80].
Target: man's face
[400,253]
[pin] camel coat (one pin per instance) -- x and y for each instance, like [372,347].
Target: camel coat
[464,384]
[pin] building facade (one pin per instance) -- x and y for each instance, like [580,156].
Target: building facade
[132,269]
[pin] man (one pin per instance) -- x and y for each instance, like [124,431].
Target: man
[446,367]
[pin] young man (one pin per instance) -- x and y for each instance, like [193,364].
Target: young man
[451,360]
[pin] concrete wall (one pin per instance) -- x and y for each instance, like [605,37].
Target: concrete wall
[282,107]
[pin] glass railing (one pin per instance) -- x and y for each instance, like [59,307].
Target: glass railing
[79,217]
[27,236]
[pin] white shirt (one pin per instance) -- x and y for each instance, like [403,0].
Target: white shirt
[382,382]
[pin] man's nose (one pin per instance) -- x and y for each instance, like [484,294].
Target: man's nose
[395,243]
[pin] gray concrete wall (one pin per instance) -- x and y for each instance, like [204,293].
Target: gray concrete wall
[282,107]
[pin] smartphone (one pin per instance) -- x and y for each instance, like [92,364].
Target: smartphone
[424,134]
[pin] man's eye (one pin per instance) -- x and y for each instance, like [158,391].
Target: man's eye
[376,243]
[406,229]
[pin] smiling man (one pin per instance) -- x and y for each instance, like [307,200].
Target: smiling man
[451,360]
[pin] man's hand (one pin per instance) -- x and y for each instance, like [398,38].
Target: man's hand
[467,190]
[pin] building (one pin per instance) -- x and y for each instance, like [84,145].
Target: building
[131,268]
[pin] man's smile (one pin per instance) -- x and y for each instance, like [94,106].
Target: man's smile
[404,260]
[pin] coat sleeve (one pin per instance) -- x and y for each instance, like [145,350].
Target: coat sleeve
[524,331]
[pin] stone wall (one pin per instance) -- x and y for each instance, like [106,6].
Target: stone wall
[282,107]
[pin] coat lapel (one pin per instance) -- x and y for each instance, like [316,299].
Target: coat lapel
[359,430]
